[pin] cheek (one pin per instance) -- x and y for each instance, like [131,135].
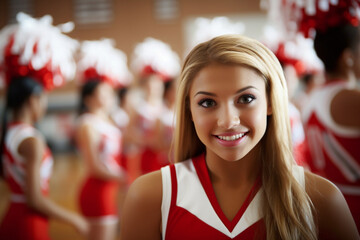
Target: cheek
[202,122]
[256,119]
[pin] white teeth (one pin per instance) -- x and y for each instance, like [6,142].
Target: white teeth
[231,138]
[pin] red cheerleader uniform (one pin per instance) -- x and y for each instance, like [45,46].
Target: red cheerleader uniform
[334,150]
[98,196]
[190,209]
[22,222]
[150,159]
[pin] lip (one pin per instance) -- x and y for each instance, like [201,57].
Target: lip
[230,143]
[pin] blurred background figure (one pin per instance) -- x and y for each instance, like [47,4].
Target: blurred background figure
[154,64]
[101,69]
[35,57]
[332,113]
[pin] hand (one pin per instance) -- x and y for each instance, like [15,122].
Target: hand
[81,225]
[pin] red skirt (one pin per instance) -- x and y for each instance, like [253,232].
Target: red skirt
[23,223]
[98,198]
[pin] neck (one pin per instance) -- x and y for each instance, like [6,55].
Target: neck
[233,173]
[23,116]
[347,76]
[153,99]
[99,112]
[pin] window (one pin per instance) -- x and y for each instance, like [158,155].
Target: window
[166,9]
[16,6]
[93,11]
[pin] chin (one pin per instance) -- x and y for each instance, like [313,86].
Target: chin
[231,157]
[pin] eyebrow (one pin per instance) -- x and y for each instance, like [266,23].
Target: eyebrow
[214,95]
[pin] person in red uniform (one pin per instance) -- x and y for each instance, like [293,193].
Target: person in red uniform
[25,158]
[99,140]
[154,63]
[332,115]
[235,176]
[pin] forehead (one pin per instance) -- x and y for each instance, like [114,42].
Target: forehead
[229,78]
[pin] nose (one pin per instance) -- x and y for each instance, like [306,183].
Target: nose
[228,116]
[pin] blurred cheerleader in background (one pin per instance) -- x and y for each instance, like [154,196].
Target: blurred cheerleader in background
[34,58]
[154,64]
[101,69]
[331,115]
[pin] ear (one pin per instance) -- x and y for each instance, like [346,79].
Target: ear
[347,59]
[32,101]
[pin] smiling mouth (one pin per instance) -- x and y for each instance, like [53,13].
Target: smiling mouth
[232,137]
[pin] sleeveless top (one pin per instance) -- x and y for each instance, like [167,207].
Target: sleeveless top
[110,141]
[190,209]
[334,149]
[14,163]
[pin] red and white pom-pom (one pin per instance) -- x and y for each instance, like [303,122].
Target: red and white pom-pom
[99,59]
[308,16]
[205,29]
[153,56]
[298,51]
[36,48]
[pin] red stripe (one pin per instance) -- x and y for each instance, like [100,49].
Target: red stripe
[173,185]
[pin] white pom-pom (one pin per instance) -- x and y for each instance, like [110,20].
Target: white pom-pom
[38,42]
[107,60]
[158,55]
[206,29]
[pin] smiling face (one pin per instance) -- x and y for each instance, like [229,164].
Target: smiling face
[229,109]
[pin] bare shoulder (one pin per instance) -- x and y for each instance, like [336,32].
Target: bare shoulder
[31,148]
[84,132]
[349,115]
[331,211]
[148,186]
[141,217]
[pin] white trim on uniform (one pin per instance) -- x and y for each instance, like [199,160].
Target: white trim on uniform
[104,220]
[166,197]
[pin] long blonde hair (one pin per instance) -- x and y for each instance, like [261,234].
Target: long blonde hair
[286,206]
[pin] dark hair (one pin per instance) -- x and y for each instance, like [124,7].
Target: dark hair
[18,92]
[330,44]
[167,86]
[87,90]
[121,93]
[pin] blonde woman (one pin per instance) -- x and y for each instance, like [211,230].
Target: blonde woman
[234,176]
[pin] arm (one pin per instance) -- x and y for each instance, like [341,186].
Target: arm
[332,214]
[141,218]
[86,139]
[345,108]
[32,150]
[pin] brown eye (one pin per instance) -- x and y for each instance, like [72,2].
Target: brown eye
[246,99]
[207,103]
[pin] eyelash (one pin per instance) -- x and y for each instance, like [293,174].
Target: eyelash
[207,101]
[246,96]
